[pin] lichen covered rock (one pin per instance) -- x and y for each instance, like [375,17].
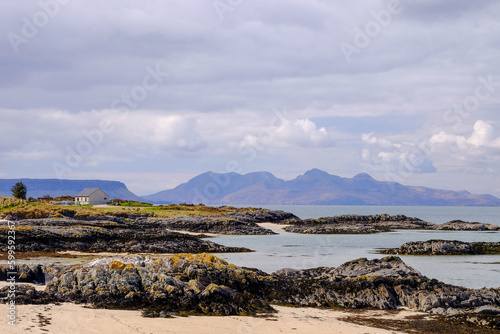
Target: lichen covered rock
[198,284]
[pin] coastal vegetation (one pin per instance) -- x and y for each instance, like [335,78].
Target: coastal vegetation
[23,209]
[19,190]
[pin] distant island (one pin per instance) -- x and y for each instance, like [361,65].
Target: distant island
[60,187]
[315,187]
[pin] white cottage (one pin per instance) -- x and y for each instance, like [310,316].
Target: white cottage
[91,196]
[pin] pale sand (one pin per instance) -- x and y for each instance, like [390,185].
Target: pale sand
[193,233]
[274,227]
[108,254]
[72,318]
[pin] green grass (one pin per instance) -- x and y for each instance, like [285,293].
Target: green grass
[32,210]
[176,210]
[10,202]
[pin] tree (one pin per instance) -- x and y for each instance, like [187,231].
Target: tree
[19,190]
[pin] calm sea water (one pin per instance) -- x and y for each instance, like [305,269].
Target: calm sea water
[433,214]
[288,250]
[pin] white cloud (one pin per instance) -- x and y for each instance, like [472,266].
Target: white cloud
[369,138]
[483,136]
[226,76]
[52,134]
[478,152]
[291,133]
[154,132]
[405,158]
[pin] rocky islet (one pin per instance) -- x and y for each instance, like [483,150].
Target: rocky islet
[367,224]
[445,247]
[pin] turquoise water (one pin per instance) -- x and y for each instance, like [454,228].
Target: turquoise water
[289,250]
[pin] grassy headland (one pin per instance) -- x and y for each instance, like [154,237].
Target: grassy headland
[23,209]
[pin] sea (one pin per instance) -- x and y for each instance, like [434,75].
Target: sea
[302,251]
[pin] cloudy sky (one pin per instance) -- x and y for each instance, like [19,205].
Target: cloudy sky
[153,92]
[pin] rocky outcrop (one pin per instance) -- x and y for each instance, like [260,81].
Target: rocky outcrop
[332,229]
[387,267]
[266,216]
[205,284]
[357,224]
[445,247]
[460,225]
[384,284]
[27,294]
[25,273]
[113,235]
[183,284]
[233,223]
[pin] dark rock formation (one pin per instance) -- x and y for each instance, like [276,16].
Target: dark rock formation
[26,294]
[332,229]
[112,235]
[357,224]
[184,284]
[445,247]
[204,284]
[460,225]
[219,225]
[384,284]
[235,223]
[387,267]
[267,216]
[25,273]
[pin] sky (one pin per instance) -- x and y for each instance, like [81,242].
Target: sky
[153,93]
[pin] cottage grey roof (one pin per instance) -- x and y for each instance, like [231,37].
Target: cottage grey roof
[87,192]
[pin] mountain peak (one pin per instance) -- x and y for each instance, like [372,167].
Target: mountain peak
[363,177]
[316,172]
[313,187]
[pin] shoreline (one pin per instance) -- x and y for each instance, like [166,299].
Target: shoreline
[381,314]
[73,318]
[277,228]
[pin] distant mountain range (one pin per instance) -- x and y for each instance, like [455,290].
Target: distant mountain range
[263,188]
[55,187]
[315,187]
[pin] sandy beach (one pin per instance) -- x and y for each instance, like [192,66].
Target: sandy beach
[72,318]
[278,228]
